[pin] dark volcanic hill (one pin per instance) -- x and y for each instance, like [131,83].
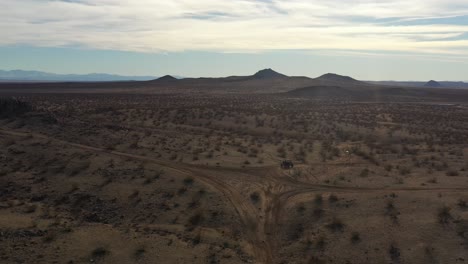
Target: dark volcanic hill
[268,74]
[334,86]
[339,80]
[432,83]
[336,77]
[167,78]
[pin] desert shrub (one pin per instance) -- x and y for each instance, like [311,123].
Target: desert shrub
[388,167]
[182,190]
[452,173]
[195,219]
[13,107]
[253,153]
[148,179]
[139,252]
[399,180]
[355,237]
[173,156]
[394,253]
[296,232]
[197,239]
[462,204]
[315,259]
[99,253]
[462,230]
[3,172]
[201,192]
[301,208]
[9,142]
[320,243]
[49,237]
[318,200]
[188,181]
[255,197]
[433,180]
[367,156]
[364,173]
[29,209]
[281,152]
[134,194]
[404,170]
[391,211]
[333,198]
[444,215]
[318,213]
[209,155]
[335,225]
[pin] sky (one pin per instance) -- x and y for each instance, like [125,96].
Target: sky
[369,40]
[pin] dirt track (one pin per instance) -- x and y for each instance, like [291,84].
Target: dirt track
[277,192]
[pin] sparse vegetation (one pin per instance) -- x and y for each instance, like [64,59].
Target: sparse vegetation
[394,253]
[255,197]
[444,215]
[462,204]
[202,172]
[99,253]
[333,198]
[336,225]
[355,237]
[318,199]
[188,181]
[11,106]
[139,252]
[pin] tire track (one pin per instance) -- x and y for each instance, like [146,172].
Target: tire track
[245,210]
[278,191]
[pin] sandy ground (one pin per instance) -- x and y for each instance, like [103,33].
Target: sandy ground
[66,198]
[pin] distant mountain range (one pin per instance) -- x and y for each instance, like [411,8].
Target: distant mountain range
[329,86]
[266,74]
[38,76]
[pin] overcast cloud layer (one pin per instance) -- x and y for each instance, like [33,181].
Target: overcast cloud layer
[423,26]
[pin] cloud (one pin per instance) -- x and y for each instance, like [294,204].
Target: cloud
[239,25]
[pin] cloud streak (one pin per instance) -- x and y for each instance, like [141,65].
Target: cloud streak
[238,25]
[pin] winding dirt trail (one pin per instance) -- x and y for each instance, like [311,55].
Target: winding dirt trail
[260,221]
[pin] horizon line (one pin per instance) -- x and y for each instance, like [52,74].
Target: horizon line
[180,77]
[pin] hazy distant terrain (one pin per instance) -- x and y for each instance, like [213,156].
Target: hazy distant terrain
[267,81]
[38,76]
[446,84]
[20,75]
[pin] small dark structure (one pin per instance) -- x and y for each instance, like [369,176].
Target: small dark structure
[287,164]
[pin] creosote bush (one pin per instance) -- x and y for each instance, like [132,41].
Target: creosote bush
[444,215]
[333,198]
[318,200]
[255,197]
[99,253]
[355,237]
[336,225]
[13,107]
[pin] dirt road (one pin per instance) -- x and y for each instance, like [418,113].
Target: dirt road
[261,221]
